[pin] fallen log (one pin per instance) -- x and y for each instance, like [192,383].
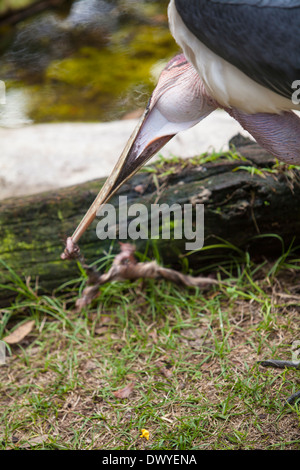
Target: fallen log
[244,199]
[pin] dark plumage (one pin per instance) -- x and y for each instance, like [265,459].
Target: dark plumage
[260,37]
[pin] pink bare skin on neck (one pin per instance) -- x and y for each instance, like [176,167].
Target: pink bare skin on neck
[277,133]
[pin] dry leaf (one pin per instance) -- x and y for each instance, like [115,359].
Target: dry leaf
[165,368]
[132,377]
[34,441]
[101,330]
[166,372]
[153,335]
[124,392]
[105,319]
[91,365]
[139,189]
[19,333]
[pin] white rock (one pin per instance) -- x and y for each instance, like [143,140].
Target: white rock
[39,157]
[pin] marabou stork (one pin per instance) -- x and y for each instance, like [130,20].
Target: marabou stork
[239,55]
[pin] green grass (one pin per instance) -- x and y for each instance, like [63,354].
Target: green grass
[192,356]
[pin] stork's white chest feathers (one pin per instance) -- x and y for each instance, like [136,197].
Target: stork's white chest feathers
[224,82]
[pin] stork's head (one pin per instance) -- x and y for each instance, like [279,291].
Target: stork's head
[178,102]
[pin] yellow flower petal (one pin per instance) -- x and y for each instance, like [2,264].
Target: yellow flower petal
[145,434]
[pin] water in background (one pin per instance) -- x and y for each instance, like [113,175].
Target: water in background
[98,61]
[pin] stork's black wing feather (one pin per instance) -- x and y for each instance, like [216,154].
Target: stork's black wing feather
[259,37]
[262,3]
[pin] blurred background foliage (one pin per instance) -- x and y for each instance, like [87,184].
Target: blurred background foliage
[81,60]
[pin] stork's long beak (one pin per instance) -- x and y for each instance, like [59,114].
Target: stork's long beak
[145,141]
[176,104]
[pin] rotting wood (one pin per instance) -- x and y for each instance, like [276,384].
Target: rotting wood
[242,199]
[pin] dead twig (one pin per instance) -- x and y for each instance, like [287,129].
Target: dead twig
[125,267]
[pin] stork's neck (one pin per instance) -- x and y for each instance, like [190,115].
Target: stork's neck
[277,133]
[180,95]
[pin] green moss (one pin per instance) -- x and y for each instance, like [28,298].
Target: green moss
[8,243]
[96,72]
[95,82]
[155,42]
[14,4]
[103,84]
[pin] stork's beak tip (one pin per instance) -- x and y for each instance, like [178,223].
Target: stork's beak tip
[71,251]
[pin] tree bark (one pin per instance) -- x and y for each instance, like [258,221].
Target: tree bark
[242,200]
